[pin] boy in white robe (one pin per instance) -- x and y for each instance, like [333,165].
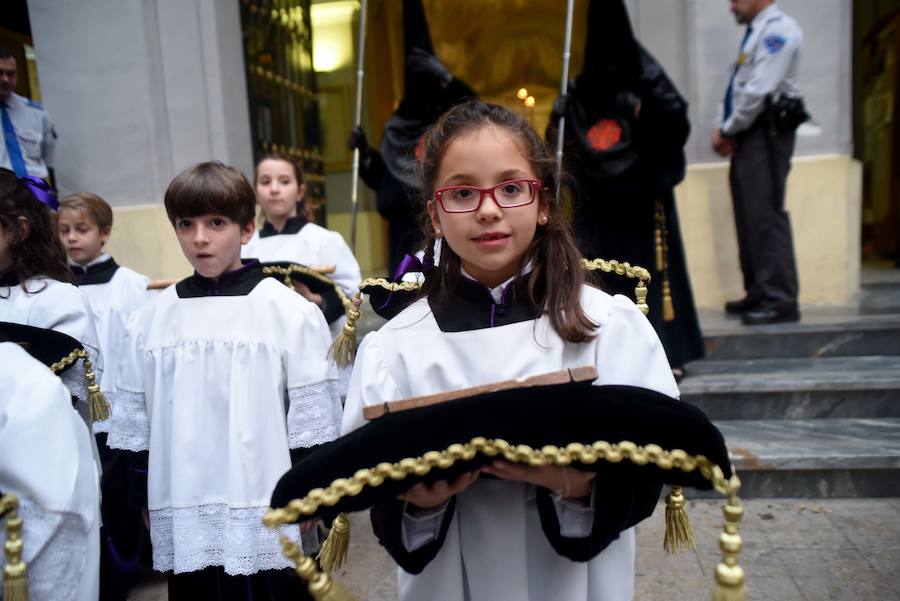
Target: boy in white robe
[226,373]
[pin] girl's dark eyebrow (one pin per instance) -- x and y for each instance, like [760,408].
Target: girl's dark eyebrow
[502,176]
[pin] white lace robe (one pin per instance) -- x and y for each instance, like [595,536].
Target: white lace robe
[218,389]
[46,460]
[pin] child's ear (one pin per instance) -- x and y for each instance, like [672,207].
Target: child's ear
[302,192]
[247,231]
[433,215]
[24,228]
[104,234]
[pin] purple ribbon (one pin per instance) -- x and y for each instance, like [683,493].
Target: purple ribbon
[41,191]
[411,264]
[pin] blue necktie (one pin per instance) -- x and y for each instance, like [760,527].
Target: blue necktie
[728,92]
[12,144]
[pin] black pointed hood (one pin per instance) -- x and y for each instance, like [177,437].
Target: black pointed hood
[612,59]
[427,94]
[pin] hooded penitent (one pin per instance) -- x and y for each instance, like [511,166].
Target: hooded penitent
[429,90]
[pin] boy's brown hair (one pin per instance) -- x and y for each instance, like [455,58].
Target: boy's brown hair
[89,204]
[211,187]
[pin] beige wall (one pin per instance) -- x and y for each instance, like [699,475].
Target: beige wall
[824,205]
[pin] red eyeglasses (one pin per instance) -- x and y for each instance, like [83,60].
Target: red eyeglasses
[509,194]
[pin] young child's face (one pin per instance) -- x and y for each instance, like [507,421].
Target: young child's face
[277,189]
[81,236]
[490,241]
[212,243]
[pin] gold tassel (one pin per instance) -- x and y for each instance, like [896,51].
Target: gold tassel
[343,349]
[660,255]
[668,308]
[334,549]
[731,583]
[640,297]
[679,532]
[320,585]
[15,573]
[98,407]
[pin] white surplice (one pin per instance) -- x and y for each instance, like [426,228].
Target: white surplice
[495,547]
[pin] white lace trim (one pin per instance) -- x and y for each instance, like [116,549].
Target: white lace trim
[55,549]
[74,380]
[188,539]
[314,415]
[130,426]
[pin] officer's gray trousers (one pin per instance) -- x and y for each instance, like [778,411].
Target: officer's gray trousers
[758,176]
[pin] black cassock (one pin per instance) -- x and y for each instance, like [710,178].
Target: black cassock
[626,126]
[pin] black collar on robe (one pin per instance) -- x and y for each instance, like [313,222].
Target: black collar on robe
[99,273]
[239,282]
[293,225]
[471,307]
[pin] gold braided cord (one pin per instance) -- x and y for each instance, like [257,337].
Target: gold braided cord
[390,286]
[98,406]
[730,581]
[626,269]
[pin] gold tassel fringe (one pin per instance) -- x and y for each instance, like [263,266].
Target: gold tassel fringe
[343,349]
[15,573]
[679,532]
[668,308]
[334,549]
[98,407]
[320,584]
[660,252]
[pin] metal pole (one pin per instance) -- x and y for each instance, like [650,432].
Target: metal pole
[563,88]
[360,72]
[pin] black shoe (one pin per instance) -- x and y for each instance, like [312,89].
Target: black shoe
[771,314]
[741,306]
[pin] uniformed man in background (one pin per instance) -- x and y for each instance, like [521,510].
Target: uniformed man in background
[760,146]
[28,134]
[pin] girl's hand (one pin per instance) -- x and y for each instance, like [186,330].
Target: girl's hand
[427,496]
[308,526]
[308,294]
[567,482]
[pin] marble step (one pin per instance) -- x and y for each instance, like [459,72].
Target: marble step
[820,458]
[822,332]
[831,387]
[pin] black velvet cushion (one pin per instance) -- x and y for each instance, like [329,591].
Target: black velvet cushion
[47,346]
[332,306]
[534,416]
[386,303]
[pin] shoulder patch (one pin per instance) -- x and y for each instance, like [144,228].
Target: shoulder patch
[774,43]
[33,103]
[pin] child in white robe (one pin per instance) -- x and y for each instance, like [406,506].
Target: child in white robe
[288,233]
[47,462]
[507,299]
[85,225]
[35,286]
[225,375]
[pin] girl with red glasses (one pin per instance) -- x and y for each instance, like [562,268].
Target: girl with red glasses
[507,299]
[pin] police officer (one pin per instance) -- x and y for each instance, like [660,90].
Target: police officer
[766,70]
[28,134]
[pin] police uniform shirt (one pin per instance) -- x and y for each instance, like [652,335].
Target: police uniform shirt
[34,132]
[46,461]
[495,547]
[53,305]
[768,64]
[219,381]
[114,292]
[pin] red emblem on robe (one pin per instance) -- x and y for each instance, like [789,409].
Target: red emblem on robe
[605,134]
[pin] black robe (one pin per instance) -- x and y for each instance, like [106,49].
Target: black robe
[615,190]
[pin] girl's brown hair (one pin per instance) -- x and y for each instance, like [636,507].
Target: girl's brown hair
[304,207]
[35,250]
[557,278]
[91,205]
